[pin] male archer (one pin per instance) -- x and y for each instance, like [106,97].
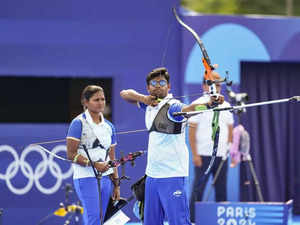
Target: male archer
[168,157]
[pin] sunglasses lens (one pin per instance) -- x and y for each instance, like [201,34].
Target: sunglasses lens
[162,83]
[153,83]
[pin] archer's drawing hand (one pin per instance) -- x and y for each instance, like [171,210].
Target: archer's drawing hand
[151,100]
[102,166]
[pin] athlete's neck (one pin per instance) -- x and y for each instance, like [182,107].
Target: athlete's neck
[95,117]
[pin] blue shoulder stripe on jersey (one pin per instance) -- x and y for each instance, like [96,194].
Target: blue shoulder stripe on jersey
[142,105]
[176,107]
[75,129]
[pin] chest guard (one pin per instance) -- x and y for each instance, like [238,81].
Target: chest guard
[163,124]
[88,137]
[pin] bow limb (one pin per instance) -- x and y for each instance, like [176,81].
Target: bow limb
[205,60]
[199,41]
[212,89]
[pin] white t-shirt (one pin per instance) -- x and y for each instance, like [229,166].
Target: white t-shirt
[167,153]
[204,129]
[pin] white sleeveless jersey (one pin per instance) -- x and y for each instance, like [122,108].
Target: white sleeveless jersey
[97,146]
[167,153]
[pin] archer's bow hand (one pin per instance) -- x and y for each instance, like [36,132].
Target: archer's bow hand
[102,166]
[150,100]
[215,101]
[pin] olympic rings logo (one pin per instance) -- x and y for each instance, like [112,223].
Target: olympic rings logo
[34,175]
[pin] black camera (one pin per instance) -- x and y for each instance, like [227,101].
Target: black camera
[239,99]
[236,98]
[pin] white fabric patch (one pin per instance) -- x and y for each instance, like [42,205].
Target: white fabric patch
[120,218]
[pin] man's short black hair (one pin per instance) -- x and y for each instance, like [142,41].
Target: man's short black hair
[157,72]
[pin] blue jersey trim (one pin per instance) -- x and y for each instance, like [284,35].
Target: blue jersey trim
[75,129]
[176,107]
[142,105]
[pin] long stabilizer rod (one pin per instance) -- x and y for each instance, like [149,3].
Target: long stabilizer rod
[232,108]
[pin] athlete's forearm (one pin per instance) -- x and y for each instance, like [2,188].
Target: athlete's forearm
[72,153]
[112,156]
[132,96]
[193,107]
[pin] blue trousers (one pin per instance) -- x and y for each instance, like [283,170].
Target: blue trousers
[87,192]
[166,198]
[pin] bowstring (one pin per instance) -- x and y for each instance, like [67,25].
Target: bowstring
[53,154]
[164,55]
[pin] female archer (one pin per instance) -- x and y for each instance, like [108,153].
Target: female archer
[91,132]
